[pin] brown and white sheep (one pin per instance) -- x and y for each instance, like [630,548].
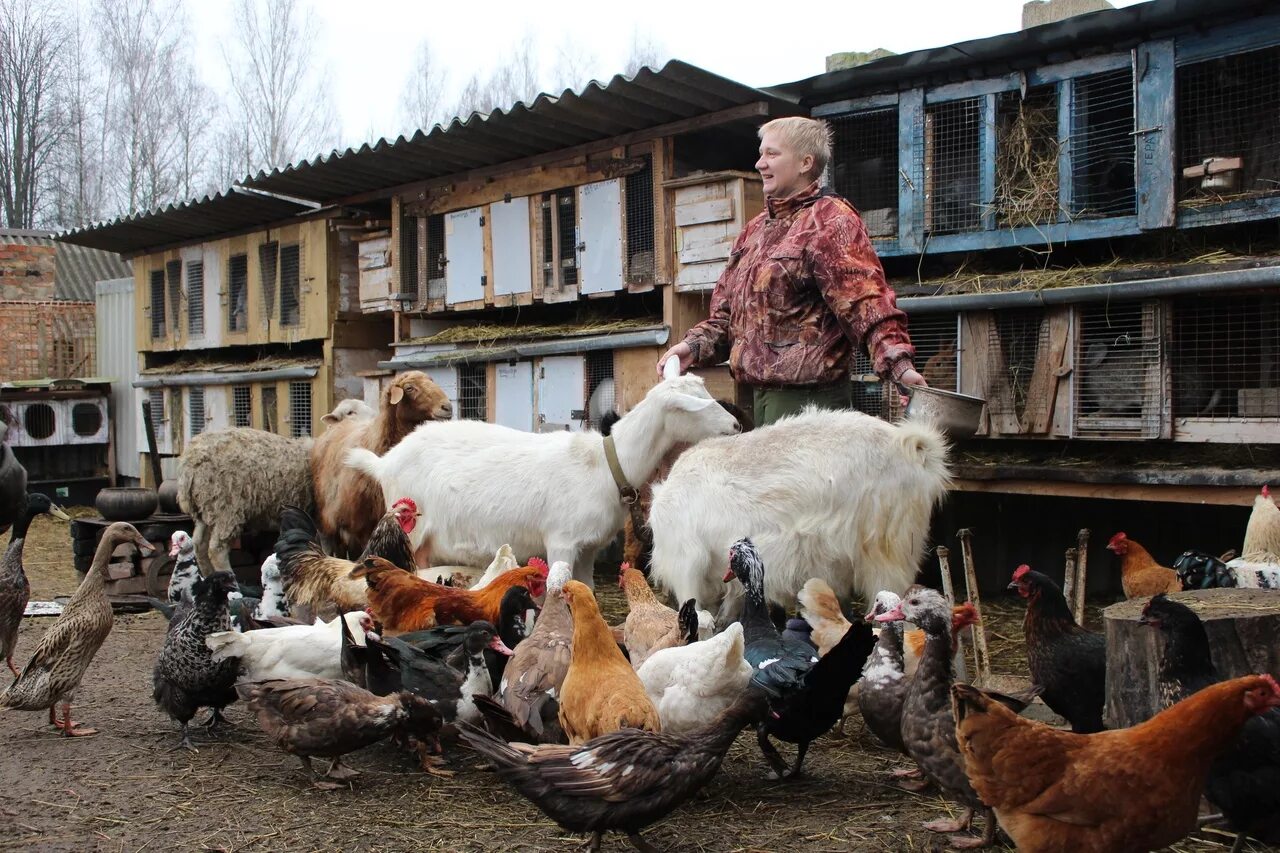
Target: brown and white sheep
[234,480]
[348,503]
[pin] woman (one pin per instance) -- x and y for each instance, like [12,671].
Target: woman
[803,287]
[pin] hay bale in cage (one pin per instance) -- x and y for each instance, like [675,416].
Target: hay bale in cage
[1027,150]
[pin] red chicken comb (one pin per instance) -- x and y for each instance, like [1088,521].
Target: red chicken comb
[1266,492]
[1020,572]
[1271,682]
[408,503]
[1119,537]
[539,564]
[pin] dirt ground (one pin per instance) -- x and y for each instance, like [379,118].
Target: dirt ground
[128,790]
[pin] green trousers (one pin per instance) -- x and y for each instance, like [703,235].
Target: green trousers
[773,403]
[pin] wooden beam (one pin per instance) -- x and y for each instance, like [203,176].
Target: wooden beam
[1155,131]
[743,112]
[1203,495]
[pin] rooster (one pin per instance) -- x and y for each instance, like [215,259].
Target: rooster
[1262,535]
[1140,574]
[1124,791]
[404,602]
[317,581]
[1066,661]
[1244,781]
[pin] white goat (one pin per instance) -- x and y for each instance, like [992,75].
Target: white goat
[479,485]
[840,496]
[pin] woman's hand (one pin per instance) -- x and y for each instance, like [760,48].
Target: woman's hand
[683,354]
[910,376]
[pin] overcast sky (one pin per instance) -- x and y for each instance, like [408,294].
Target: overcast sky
[369,44]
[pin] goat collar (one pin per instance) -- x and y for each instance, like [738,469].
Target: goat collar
[626,491]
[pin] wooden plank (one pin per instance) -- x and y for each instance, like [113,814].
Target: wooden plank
[910,196]
[1066,187]
[1079,68]
[663,217]
[706,252]
[1043,388]
[849,106]
[490,391]
[705,274]
[1252,33]
[713,179]
[535,247]
[394,248]
[973,88]
[1227,431]
[1063,407]
[1156,131]
[634,373]
[1200,495]
[486,231]
[989,363]
[1031,235]
[973,328]
[715,210]
[987,162]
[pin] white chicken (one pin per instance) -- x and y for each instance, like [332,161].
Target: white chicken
[295,651]
[1262,535]
[273,601]
[690,685]
[503,560]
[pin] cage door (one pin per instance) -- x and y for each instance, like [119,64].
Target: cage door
[561,387]
[464,248]
[513,391]
[447,379]
[1120,370]
[600,232]
[512,246]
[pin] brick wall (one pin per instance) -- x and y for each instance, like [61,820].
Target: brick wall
[47,340]
[26,272]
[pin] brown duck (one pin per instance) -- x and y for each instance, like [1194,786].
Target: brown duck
[14,588]
[66,649]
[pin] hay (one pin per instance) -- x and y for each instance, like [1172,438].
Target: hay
[204,365]
[488,333]
[1027,150]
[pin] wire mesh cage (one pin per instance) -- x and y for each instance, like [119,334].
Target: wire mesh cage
[473,392]
[864,166]
[1118,373]
[1027,151]
[601,391]
[241,406]
[952,153]
[174,416]
[290,284]
[238,293]
[868,392]
[173,273]
[156,398]
[195,298]
[1015,340]
[195,411]
[1102,145]
[300,408]
[268,273]
[936,338]
[407,259]
[1228,119]
[270,409]
[567,232]
[435,259]
[638,191]
[1224,354]
[157,304]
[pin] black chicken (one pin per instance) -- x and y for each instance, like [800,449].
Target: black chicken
[443,642]
[806,695]
[186,677]
[1244,781]
[620,782]
[1067,662]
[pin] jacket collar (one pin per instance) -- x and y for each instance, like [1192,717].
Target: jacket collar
[780,207]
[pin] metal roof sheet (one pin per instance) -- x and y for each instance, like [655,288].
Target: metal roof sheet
[77,269]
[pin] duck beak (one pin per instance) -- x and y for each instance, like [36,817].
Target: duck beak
[500,647]
[58,513]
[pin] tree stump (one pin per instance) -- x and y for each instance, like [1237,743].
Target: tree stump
[1244,637]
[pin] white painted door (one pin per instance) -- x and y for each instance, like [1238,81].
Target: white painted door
[447,379]
[512,271]
[514,393]
[464,249]
[561,392]
[600,236]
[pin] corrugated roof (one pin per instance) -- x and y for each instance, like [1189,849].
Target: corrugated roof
[1072,37]
[77,268]
[233,210]
[549,123]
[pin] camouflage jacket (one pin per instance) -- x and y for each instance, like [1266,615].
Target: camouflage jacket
[802,288]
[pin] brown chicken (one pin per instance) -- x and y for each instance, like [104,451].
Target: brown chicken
[404,602]
[1262,535]
[1140,574]
[1121,791]
[601,692]
[651,625]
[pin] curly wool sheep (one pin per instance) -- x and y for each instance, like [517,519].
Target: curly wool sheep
[234,480]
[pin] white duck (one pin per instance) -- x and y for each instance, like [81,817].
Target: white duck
[294,651]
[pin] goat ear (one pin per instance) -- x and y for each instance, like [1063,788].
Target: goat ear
[396,395]
[690,403]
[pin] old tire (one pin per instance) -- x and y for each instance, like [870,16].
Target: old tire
[159,569]
[126,504]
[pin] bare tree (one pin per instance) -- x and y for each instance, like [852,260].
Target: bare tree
[194,111]
[31,40]
[516,79]
[646,52]
[281,98]
[572,69]
[79,176]
[422,101]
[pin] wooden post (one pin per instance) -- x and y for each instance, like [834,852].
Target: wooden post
[1082,574]
[1069,578]
[948,589]
[1242,625]
[981,661]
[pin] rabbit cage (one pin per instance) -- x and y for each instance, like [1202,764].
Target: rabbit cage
[62,435]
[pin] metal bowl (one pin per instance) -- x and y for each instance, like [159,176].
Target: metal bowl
[956,415]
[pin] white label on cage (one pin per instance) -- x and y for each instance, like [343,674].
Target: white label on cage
[513,395]
[600,231]
[464,247]
[561,391]
[511,246]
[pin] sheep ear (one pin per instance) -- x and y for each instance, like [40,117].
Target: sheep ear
[690,403]
[396,395]
[329,418]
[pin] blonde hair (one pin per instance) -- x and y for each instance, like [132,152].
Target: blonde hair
[804,136]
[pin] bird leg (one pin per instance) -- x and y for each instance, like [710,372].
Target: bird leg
[795,768]
[640,844]
[337,770]
[592,844]
[185,741]
[770,753]
[12,668]
[907,773]
[988,837]
[216,719]
[53,718]
[951,824]
[69,726]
